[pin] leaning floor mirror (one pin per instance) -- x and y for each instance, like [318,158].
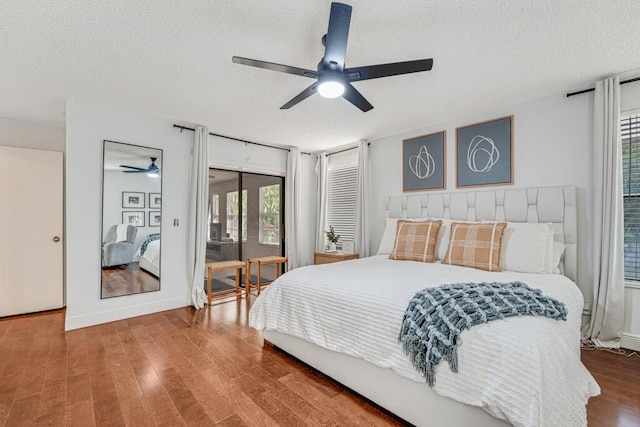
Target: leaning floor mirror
[131,219]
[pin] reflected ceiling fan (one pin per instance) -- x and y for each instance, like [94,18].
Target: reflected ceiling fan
[151,170]
[332,78]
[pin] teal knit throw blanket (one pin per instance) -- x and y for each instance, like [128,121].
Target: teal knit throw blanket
[435,317]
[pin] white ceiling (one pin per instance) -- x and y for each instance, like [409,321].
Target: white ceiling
[173,60]
[116,154]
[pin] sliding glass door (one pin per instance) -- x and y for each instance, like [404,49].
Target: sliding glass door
[245,220]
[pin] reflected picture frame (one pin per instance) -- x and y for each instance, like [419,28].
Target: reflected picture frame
[132,200]
[155,218]
[155,201]
[135,218]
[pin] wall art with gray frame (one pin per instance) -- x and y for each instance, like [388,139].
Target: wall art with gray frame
[132,199]
[484,153]
[424,162]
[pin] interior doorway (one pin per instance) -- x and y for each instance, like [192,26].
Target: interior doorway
[246,220]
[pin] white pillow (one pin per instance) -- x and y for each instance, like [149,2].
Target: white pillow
[389,236]
[558,251]
[524,247]
[549,251]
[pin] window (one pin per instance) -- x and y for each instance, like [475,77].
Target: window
[270,215]
[341,201]
[214,214]
[630,136]
[232,215]
[214,231]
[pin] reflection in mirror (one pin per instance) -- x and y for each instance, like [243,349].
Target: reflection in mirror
[131,219]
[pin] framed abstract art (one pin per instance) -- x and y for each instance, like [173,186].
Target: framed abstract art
[424,162]
[484,153]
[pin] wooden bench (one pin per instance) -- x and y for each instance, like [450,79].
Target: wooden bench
[265,260]
[221,266]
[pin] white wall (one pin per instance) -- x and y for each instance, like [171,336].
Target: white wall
[87,127]
[115,182]
[229,154]
[630,97]
[631,336]
[342,158]
[23,134]
[551,147]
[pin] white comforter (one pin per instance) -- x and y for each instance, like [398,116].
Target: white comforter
[152,253]
[525,370]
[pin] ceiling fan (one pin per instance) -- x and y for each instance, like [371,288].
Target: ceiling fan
[332,78]
[151,170]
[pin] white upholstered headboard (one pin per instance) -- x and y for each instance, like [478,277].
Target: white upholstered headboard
[555,205]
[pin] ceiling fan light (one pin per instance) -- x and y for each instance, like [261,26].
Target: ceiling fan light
[330,89]
[153,174]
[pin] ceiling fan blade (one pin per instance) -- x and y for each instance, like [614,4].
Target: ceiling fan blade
[300,97]
[387,70]
[337,35]
[133,167]
[140,171]
[356,98]
[275,67]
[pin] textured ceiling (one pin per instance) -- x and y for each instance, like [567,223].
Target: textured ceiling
[116,154]
[173,60]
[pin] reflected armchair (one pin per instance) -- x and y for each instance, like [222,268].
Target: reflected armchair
[118,253]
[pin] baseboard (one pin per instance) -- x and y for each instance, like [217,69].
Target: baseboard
[630,341]
[91,319]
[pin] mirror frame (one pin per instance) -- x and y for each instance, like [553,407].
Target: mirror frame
[147,213]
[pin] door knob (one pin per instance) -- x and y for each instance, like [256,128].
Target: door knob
[56,239]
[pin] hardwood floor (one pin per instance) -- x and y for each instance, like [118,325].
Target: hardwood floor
[187,367]
[118,281]
[619,379]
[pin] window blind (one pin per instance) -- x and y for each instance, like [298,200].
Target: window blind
[341,204]
[630,138]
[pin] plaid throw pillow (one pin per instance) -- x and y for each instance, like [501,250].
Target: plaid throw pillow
[416,241]
[475,245]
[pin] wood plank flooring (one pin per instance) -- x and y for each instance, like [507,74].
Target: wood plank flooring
[206,367]
[118,281]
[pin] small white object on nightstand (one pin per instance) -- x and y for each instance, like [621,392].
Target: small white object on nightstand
[347,247]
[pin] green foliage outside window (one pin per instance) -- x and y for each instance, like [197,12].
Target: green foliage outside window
[270,215]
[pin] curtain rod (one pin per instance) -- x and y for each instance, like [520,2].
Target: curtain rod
[238,139]
[592,89]
[346,149]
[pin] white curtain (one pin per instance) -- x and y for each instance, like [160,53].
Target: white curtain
[198,207]
[607,314]
[361,243]
[292,208]
[321,217]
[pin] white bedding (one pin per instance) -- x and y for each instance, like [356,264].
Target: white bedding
[524,370]
[152,253]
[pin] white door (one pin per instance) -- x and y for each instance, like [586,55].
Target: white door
[30,230]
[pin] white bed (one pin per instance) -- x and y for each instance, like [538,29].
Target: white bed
[150,260]
[344,319]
